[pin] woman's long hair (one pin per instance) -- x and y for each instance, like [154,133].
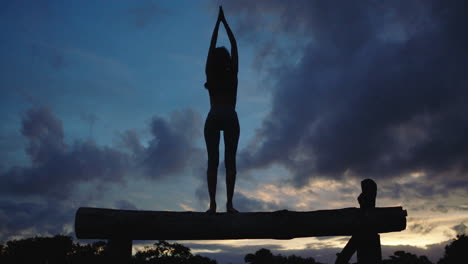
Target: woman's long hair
[221,62]
[222,58]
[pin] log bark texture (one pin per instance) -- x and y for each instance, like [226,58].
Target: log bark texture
[97,223]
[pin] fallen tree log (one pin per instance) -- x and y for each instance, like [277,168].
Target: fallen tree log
[97,223]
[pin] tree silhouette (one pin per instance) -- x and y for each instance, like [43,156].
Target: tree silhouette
[2,254]
[402,257]
[57,249]
[167,253]
[456,251]
[61,249]
[38,250]
[88,253]
[264,256]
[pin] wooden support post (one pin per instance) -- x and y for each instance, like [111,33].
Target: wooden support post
[365,241]
[368,250]
[368,246]
[119,250]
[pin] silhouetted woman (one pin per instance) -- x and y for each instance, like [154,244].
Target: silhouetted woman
[221,75]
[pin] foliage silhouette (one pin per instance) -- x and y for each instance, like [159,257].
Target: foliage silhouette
[264,256]
[167,253]
[38,250]
[456,251]
[402,257]
[89,253]
[61,249]
[57,249]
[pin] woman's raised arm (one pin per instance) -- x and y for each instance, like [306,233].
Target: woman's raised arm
[214,38]
[232,39]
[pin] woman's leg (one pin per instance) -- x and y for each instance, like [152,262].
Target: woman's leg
[231,139]
[212,146]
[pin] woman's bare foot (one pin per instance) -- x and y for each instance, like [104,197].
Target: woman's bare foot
[230,209]
[212,208]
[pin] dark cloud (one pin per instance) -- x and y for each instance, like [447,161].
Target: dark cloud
[422,228]
[57,169]
[241,201]
[172,148]
[9,143]
[125,205]
[201,192]
[461,229]
[45,134]
[378,92]
[440,208]
[130,140]
[91,119]
[246,204]
[34,218]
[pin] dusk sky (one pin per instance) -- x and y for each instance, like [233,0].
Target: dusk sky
[103,105]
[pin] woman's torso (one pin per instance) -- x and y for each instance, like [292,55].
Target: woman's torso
[222,87]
